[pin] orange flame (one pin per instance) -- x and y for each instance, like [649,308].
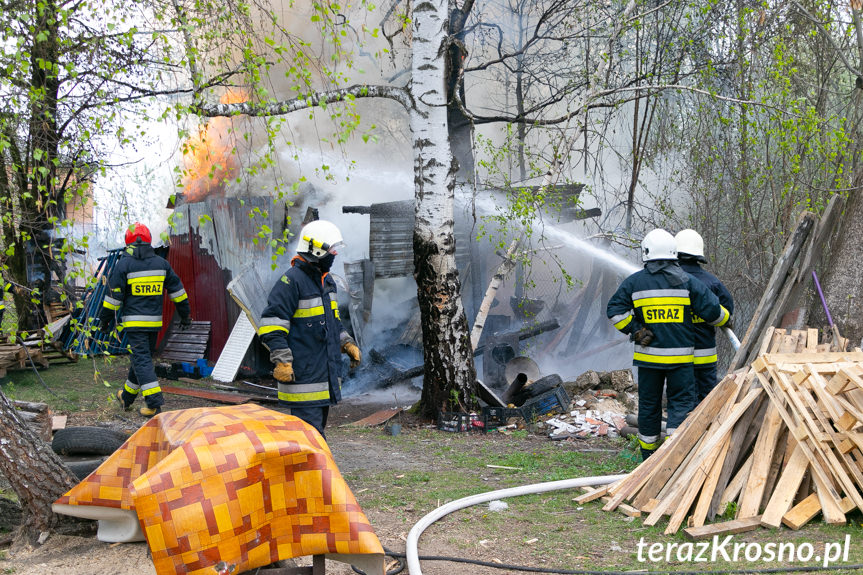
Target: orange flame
[209,158]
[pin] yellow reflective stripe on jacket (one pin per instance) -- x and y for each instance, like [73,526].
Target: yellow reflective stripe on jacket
[309,307]
[178,296]
[265,329]
[622,322]
[661,301]
[723,317]
[111,303]
[705,356]
[309,312]
[335,307]
[662,355]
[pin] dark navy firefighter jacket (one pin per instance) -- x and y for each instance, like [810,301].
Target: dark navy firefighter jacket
[137,284]
[705,334]
[664,301]
[302,321]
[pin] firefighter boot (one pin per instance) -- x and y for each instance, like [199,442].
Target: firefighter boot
[645,453]
[150,411]
[121,399]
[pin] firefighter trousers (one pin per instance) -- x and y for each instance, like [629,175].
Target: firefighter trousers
[314,416]
[142,376]
[679,383]
[705,379]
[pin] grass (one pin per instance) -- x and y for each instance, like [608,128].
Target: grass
[82,386]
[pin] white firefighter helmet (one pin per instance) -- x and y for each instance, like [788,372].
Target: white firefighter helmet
[658,245]
[319,238]
[691,243]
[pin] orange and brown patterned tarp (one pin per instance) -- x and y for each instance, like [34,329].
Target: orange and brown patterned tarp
[243,486]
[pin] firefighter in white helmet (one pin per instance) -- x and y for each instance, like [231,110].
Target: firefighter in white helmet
[654,306]
[303,331]
[690,252]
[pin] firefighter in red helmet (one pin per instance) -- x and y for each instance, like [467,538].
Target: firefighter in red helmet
[136,285]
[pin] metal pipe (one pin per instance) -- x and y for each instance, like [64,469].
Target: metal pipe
[823,301]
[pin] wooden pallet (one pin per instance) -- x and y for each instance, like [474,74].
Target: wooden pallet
[186,345]
[782,440]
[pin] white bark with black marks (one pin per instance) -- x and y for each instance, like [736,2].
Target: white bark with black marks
[450,374]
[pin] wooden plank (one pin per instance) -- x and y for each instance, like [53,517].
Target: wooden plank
[702,507]
[591,494]
[725,528]
[783,494]
[58,422]
[741,441]
[811,339]
[831,509]
[802,513]
[777,464]
[735,486]
[767,340]
[763,456]
[217,396]
[377,418]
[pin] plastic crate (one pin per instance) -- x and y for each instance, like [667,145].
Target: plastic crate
[460,422]
[498,416]
[552,400]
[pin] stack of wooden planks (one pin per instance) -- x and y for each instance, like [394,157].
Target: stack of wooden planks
[775,443]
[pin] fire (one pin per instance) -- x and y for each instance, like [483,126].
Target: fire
[209,158]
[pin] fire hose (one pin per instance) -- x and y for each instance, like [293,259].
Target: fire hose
[417,530]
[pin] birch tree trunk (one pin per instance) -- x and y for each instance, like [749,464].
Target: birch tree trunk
[450,374]
[36,474]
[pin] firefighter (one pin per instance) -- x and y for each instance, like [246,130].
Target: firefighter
[654,307]
[302,329]
[690,252]
[135,288]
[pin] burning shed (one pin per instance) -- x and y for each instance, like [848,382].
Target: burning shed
[213,241]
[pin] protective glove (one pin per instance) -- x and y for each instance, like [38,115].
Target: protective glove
[284,372]
[106,321]
[728,324]
[353,352]
[185,323]
[643,336]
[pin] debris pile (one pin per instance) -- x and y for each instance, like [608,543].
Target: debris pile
[775,443]
[595,405]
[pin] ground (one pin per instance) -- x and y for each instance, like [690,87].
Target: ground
[399,479]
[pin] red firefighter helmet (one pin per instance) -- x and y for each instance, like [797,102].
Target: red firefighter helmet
[138,231]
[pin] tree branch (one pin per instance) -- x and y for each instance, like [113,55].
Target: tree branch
[400,95]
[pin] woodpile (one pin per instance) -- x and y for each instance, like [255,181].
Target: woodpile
[775,443]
